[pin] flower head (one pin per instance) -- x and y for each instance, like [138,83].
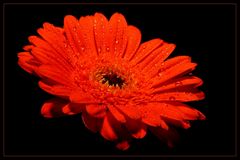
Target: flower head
[121,87]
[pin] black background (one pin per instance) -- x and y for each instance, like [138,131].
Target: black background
[204,32]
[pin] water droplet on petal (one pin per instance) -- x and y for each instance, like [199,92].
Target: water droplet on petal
[178,83]
[74,29]
[83,49]
[99,50]
[171,98]
[116,41]
[160,74]
[107,49]
[162,64]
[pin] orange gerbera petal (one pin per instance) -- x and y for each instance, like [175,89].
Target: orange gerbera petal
[124,145]
[136,128]
[100,28]
[53,108]
[119,116]
[122,88]
[107,130]
[170,136]
[145,49]
[27,62]
[133,42]
[98,111]
[117,34]
[58,90]
[92,123]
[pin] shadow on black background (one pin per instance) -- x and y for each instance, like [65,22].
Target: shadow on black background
[204,32]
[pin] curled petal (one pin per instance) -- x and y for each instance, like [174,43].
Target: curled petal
[136,128]
[118,116]
[169,136]
[123,145]
[72,108]
[92,123]
[98,111]
[53,108]
[107,130]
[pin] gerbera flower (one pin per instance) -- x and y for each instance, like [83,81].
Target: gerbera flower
[121,87]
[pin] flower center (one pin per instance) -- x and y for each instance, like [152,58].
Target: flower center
[112,79]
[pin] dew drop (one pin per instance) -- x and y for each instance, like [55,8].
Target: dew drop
[162,64]
[160,74]
[116,41]
[178,83]
[74,29]
[171,98]
[107,49]
[75,78]
[83,49]
[99,50]
[65,45]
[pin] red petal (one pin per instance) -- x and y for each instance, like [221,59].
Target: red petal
[72,108]
[152,64]
[170,136]
[136,128]
[150,115]
[74,37]
[86,25]
[100,32]
[124,145]
[144,50]
[177,83]
[82,97]
[98,111]
[177,70]
[117,35]
[188,112]
[182,96]
[93,124]
[49,58]
[107,130]
[55,39]
[48,73]
[117,115]
[129,110]
[157,56]
[58,90]
[53,108]
[133,42]
[24,61]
